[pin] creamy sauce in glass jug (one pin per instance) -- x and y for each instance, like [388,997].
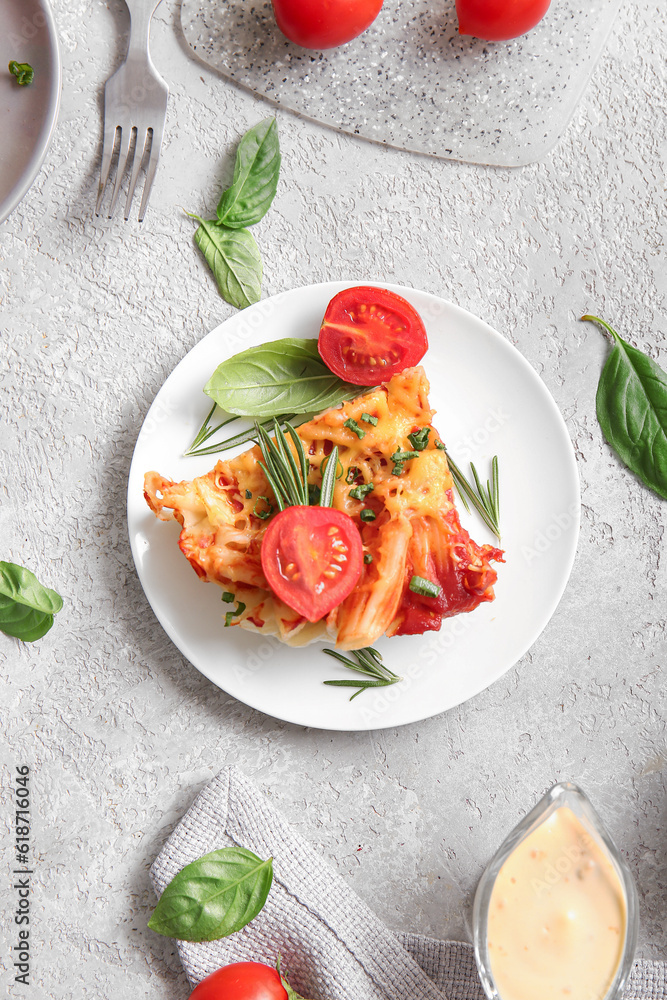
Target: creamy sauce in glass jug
[557,915]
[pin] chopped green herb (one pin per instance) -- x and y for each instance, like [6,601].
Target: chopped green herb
[355,428]
[368,419]
[419,585]
[360,492]
[367,514]
[368,558]
[227,597]
[440,446]
[238,610]
[419,439]
[352,474]
[314,494]
[23,72]
[248,495]
[404,456]
[400,458]
[268,510]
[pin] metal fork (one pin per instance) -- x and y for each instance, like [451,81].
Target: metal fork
[135,104]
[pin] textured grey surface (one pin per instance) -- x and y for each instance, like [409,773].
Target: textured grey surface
[121,731]
[330,941]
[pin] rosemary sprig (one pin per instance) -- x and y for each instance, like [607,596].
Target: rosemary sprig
[288,475]
[369,663]
[485,499]
[329,479]
[206,431]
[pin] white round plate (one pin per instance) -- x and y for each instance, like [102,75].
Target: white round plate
[489,401]
[28,114]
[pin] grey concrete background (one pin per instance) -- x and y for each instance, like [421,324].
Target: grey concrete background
[121,731]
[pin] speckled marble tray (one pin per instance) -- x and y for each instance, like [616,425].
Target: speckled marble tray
[411,80]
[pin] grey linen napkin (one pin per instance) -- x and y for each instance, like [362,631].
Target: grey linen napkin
[331,944]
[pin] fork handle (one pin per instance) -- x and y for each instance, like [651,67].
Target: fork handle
[141,15]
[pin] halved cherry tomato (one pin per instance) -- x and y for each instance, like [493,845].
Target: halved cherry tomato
[323,24]
[241,981]
[369,334]
[498,20]
[312,558]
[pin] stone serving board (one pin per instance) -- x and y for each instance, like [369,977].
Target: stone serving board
[411,81]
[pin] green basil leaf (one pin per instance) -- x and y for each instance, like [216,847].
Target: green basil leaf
[214,896]
[26,607]
[22,623]
[284,376]
[255,177]
[234,258]
[631,405]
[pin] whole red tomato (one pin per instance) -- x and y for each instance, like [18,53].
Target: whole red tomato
[241,981]
[323,24]
[498,20]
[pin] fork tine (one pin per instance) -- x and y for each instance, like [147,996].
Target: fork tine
[136,167]
[108,146]
[156,144]
[125,140]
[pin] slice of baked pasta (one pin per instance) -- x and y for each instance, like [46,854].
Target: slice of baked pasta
[408,522]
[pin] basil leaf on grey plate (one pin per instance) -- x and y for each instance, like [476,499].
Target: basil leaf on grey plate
[233,256]
[255,177]
[26,606]
[214,896]
[631,405]
[283,376]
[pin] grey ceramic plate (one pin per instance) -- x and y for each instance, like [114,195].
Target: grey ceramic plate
[28,114]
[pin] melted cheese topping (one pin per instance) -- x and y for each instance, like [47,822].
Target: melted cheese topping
[222,533]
